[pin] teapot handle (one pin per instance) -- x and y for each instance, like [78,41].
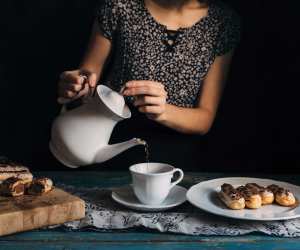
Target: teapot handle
[78,99]
[63,109]
[65,101]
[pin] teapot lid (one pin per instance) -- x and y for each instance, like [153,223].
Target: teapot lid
[114,101]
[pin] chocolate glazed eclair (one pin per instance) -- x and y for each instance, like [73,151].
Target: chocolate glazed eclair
[283,197]
[251,196]
[8,170]
[231,197]
[267,196]
[39,186]
[12,187]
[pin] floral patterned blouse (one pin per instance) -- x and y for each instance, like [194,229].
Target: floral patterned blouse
[142,50]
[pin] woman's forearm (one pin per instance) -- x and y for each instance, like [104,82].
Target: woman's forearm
[97,52]
[199,120]
[187,120]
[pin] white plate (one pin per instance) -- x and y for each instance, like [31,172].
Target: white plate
[204,196]
[126,197]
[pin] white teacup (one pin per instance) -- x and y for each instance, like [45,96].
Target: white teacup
[152,181]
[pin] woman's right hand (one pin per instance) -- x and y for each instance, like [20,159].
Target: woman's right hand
[75,84]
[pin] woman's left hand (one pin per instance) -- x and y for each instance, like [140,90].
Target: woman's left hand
[150,98]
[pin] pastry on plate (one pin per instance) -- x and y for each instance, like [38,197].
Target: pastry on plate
[283,196]
[231,197]
[267,196]
[251,196]
[12,187]
[39,186]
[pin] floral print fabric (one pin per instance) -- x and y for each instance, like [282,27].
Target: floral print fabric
[140,51]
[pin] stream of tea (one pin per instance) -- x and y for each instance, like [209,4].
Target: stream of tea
[147,155]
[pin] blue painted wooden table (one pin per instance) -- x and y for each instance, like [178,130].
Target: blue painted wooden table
[138,238]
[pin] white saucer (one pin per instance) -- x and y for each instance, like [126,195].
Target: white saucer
[126,197]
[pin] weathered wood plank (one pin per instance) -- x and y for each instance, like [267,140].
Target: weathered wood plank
[132,236]
[150,246]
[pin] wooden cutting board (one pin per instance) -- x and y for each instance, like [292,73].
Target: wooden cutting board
[29,212]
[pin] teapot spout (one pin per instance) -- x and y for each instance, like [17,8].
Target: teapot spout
[107,152]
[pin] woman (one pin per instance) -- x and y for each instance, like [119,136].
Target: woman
[172,56]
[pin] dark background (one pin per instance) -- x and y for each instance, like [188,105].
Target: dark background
[257,125]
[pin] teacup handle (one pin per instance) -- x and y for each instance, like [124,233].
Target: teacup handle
[181,175]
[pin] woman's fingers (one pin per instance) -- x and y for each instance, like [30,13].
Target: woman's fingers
[91,79]
[85,91]
[74,87]
[152,109]
[135,88]
[70,83]
[69,94]
[144,90]
[149,100]
[77,83]
[76,94]
[150,97]
[67,90]
[72,77]
[150,84]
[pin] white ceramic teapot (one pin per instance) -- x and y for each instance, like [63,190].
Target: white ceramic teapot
[80,136]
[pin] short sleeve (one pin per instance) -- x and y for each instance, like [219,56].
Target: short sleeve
[229,34]
[107,18]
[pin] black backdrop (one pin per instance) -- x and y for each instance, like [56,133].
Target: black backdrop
[256,128]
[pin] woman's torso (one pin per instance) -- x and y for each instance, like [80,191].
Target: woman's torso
[141,51]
